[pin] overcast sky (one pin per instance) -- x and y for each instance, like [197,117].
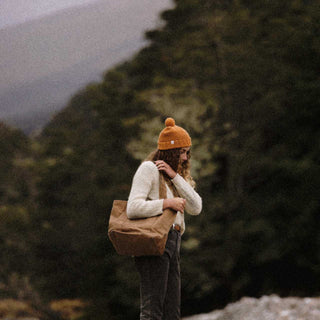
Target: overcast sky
[18,11]
[64,45]
[65,37]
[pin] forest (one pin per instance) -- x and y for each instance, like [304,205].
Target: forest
[243,78]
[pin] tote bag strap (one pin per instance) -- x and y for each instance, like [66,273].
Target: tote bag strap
[163,189]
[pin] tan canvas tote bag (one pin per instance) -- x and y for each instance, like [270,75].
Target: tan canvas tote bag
[140,237]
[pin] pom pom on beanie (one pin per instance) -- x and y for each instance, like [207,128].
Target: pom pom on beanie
[173,136]
[170,122]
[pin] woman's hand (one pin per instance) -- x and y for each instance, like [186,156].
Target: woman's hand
[177,204]
[163,166]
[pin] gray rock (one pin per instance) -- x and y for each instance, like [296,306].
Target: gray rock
[266,308]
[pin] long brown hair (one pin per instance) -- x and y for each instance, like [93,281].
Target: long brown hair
[172,158]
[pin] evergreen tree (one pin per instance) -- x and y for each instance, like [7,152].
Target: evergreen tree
[16,203]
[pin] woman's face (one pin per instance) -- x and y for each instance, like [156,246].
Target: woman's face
[184,152]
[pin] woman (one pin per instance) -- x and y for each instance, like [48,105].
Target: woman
[160,275]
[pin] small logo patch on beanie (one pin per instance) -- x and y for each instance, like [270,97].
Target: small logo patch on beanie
[172,142]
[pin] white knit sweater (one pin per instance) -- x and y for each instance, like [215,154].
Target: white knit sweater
[144,199]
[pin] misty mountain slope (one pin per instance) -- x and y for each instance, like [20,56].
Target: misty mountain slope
[91,38]
[30,106]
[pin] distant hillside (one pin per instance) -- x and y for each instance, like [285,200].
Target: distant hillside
[30,106]
[45,61]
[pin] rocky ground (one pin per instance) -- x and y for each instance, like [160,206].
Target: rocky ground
[266,308]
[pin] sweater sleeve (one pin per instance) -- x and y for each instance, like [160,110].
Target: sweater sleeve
[143,181]
[185,190]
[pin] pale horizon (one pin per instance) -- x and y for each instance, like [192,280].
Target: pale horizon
[15,12]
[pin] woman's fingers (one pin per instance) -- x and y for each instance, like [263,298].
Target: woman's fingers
[183,204]
[180,204]
[162,165]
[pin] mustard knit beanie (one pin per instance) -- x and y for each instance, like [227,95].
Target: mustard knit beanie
[173,136]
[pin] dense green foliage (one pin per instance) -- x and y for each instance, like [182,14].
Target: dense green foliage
[16,203]
[242,78]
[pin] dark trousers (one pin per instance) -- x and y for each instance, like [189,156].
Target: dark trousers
[160,282]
